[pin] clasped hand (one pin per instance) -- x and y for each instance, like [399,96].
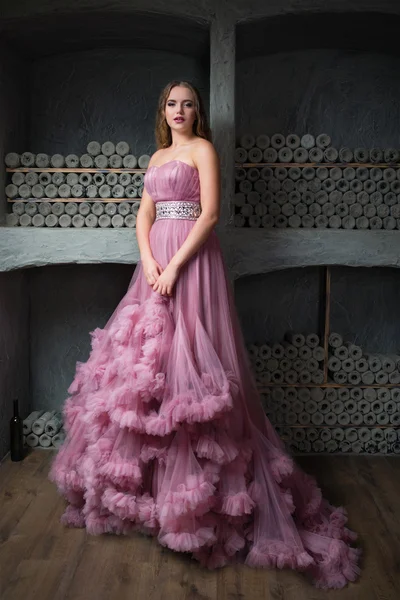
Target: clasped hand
[161,280]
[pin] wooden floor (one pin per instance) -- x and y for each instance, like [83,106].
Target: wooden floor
[42,560]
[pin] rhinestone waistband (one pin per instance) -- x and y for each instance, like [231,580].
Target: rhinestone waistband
[178,210]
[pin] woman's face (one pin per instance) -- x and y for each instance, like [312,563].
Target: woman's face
[180,112]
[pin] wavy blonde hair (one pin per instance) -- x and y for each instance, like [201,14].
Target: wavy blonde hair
[163,130]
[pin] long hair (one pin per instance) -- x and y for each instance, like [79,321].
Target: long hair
[163,130]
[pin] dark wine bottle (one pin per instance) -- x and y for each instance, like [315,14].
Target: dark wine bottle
[16,435]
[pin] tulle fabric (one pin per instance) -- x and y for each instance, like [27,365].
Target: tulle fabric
[166,434]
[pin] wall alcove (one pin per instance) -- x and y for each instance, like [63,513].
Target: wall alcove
[66,79]
[321,72]
[58,97]
[311,73]
[325,353]
[295,74]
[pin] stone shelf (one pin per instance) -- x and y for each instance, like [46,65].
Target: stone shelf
[22,247]
[247,251]
[253,251]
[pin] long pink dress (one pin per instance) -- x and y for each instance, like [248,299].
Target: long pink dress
[166,434]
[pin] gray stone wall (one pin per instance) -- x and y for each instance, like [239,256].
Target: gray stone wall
[67,302]
[14,99]
[364,305]
[14,350]
[201,9]
[352,96]
[240,9]
[14,291]
[107,94]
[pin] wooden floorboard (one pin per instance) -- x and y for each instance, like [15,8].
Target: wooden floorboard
[39,558]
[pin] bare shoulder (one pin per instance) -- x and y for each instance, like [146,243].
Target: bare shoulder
[156,156]
[205,152]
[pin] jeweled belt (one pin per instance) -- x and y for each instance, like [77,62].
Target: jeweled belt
[178,210]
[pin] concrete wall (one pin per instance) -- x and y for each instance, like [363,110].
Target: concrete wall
[295,304]
[14,350]
[106,94]
[67,302]
[352,96]
[23,8]
[240,9]
[364,305]
[14,102]
[14,290]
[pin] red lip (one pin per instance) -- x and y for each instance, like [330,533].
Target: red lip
[179,119]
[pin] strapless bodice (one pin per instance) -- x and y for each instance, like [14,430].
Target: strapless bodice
[174,180]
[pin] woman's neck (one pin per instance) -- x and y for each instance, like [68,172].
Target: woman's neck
[181,140]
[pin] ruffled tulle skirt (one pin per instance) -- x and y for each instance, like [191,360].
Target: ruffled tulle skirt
[166,434]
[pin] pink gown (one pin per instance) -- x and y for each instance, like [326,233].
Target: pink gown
[166,434]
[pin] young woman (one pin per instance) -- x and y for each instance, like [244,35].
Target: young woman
[165,430]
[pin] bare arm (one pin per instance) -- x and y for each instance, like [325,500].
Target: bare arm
[207,163]
[144,222]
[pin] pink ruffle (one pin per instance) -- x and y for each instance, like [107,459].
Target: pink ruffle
[186,407]
[161,440]
[117,472]
[73,517]
[234,543]
[218,448]
[188,542]
[330,522]
[154,450]
[70,479]
[272,553]
[335,562]
[282,466]
[98,524]
[120,504]
[237,504]
[180,503]
[147,511]
[128,418]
